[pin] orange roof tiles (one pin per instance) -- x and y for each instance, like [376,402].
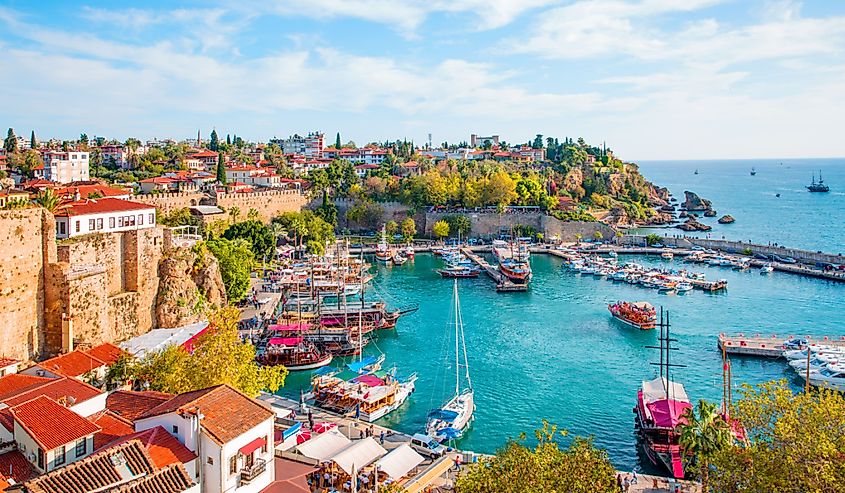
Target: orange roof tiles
[86,190]
[72,364]
[228,413]
[164,448]
[21,469]
[15,383]
[107,353]
[113,428]
[50,424]
[58,389]
[131,405]
[100,206]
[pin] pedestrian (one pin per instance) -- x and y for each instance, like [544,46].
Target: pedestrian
[626,484]
[371,431]
[619,481]
[634,479]
[458,462]
[381,437]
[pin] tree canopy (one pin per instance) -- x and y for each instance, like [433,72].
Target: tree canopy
[257,234]
[235,258]
[440,229]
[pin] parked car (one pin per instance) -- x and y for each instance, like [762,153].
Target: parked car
[427,446]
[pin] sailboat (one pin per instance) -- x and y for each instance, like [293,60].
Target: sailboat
[383,251]
[451,420]
[818,186]
[696,171]
[753,171]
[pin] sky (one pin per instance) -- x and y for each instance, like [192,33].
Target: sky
[654,79]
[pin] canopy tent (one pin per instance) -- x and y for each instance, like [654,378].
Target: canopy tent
[289,327]
[324,446]
[654,390]
[667,413]
[357,366]
[284,341]
[370,380]
[400,461]
[360,454]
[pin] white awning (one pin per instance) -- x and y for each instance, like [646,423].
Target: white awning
[400,461]
[361,453]
[655,390]
[323,447]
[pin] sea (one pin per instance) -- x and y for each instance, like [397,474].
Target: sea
[554,353]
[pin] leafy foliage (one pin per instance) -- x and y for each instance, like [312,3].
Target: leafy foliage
[408,228]
[257,234]
[308,228]
[219,357]
[235,258]
[652,239]
[178,217]
[704,434]
[459,224]
[546,467]
[440,229]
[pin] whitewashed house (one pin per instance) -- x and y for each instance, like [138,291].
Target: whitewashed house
[106,215]
[65,166]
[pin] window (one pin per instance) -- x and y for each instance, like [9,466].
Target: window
[60,456]
[77,226]
[40,459]
[233,464]
[62,228]
[120,222]
[100,223]
[175,429]
[210,461]
[130,220]
[111,222]
[151,217]
[81,447]
[140,219]
[90,225]
[264,446]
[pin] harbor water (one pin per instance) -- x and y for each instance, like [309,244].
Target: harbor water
[797,218]
[555,353]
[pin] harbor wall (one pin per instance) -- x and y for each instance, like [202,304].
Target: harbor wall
[729,246]
[382,213]
[269,204]
[492,225]
[166,202]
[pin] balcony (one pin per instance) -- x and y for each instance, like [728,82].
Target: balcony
[249,473]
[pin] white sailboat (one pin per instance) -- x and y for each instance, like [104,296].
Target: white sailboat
[451,420]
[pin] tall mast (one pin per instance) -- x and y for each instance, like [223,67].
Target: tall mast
[457,350]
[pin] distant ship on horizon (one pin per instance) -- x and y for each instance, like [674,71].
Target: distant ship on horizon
[818,186]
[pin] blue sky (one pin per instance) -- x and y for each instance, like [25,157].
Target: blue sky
[655,79]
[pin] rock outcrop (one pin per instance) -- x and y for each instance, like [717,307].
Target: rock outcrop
[693,202]
[692,224]
[710,213]
[726,219]
[190,285]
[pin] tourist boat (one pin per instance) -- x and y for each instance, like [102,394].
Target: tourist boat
[409,251]
[667,255]
[753,171]
[368,396]
[451,420]
[683,287]
[399,259]
[767,269]
[459,272]
[517,272]
[619,275]
[383,251]
[818,186]
[294,353]
[831,376]
[640,315]
[661,404]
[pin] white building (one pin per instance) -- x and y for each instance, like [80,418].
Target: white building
[106,215]
[232,435]
[310,146]
[65,166]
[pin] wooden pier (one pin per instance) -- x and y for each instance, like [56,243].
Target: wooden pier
[771,346]
[503,284]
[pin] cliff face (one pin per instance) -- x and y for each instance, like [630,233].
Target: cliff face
[692,202]
[190,285]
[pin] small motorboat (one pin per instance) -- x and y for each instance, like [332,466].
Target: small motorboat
[683,287]
[612,254]
[667,255]
[458,272]
[399,259]
[767,269]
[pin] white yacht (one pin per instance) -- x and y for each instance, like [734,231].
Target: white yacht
[830,376]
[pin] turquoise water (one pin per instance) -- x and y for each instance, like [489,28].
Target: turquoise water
[797,218]
[555,353]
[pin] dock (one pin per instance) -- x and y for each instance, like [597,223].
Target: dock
[503,284]
[767,346]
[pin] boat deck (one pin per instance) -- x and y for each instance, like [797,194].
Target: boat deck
[503,284]
[771,346]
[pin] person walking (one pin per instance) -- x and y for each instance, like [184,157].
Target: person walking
[626,484]
[381,437]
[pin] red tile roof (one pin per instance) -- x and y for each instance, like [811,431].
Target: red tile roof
[86,190]
[159,179]
[100,206]
[202,154]
[59,389]
[21,469]
[228,413]
[15,383]
[72,364]
[50,424]
[107,353]
[163,447]
[113,428]
[131,405]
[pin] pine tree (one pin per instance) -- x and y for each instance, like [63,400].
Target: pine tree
[221,169]
[33,144]
[214,144]
[11,142]
[337,142]
[228,139]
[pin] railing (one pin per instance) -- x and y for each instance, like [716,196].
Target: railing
[251,472]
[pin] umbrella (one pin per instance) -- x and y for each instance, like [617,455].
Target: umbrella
[323,427]
[303,437]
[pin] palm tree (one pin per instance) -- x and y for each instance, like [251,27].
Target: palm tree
[704,434]
[578,237]
[48,200]
[234,212]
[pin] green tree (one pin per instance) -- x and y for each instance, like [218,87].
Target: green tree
[327,210]
[704,434]
[652,239]
[391,228]
[598,236]
[178,217]
[11,142]
[219,357]
[796,442]
[409,228]
[440,229]
[547,467]
[459,224]
[33,144]
[121,371]
[235,258]
[48,199]
[234,213]
[578,237]
[256,233]
[214,143]
[221,169]
[337,144]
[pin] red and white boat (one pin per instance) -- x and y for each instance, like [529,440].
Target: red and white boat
[661,404]
[640,315]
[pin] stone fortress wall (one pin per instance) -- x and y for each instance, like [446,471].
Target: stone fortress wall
[492,224]
[268,203]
